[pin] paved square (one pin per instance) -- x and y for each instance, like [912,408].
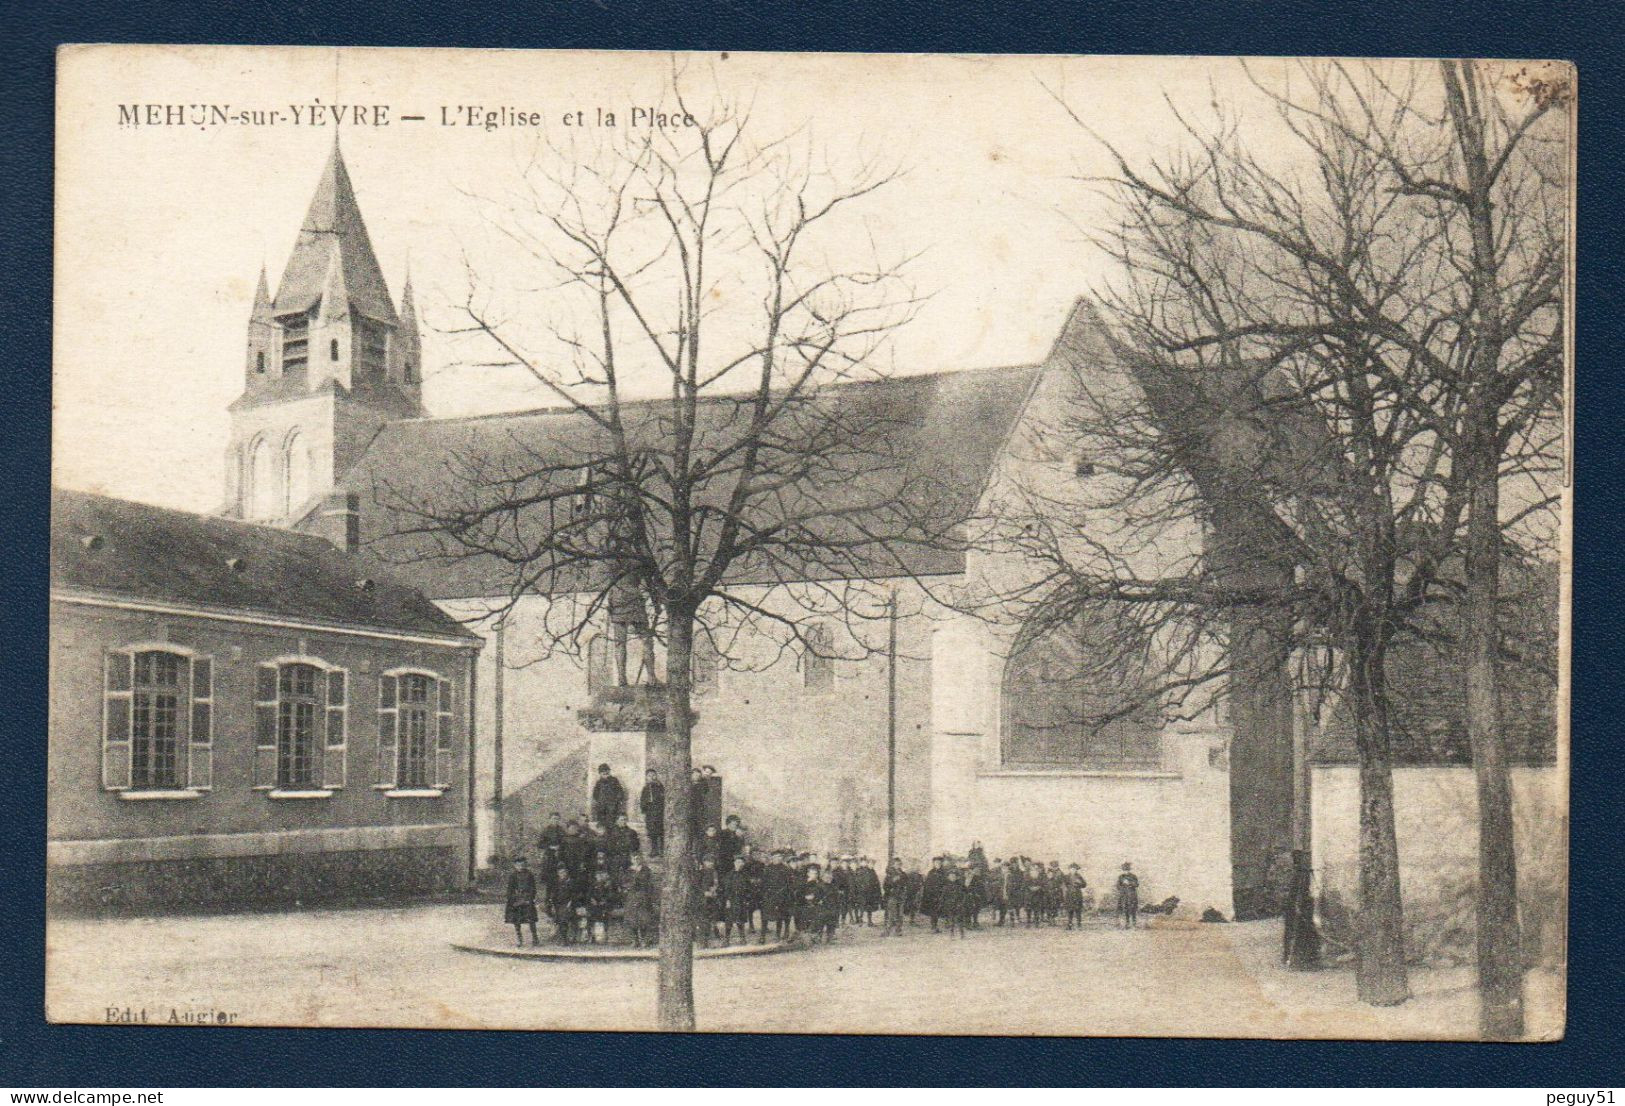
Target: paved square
[396,967]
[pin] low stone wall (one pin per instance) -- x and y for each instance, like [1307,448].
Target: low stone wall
[1436,819]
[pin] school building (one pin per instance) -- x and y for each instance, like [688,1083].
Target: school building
[243,714]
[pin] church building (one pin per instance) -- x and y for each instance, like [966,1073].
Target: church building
[950,734]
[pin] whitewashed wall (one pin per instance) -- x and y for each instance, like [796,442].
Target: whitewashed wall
[1436,820]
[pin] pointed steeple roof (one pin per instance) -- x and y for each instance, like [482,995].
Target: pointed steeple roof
[409,309]
[262,312]
[334,231]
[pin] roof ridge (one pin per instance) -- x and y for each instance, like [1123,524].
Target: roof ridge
[205,516]
[563,409]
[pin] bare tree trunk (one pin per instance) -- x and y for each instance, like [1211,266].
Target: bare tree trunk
[1500,951]
[675,974]
[1380,975]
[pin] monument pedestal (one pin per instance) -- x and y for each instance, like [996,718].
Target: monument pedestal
[627,728]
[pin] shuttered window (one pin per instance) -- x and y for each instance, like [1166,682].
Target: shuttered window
[200,746]
[333,766]
[388,725]
[417,732]
[300,727]
[443,736]
[157,721]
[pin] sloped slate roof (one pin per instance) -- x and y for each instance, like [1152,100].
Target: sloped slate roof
[114,547]
[927,446]
[333,226]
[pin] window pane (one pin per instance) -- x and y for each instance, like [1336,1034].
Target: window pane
[1073,696]
[414,765]
[201,718]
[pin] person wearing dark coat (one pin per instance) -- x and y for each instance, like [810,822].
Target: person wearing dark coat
[894,892]
[975,896]
[913,891]
[840,882]
[652,804]
[619,845]
[602,899]
[754,870]
[931,892]
[1075,883]
[710,901]
[778,897]
[575,863]
[730,840]
[608,798]
[811,895]
[1015,890]
[1128,898]
[709,847]
[696,809]
[521,906]
[1055,879]
[547,861]
[641,907]
[736,901]
[827,908]
[951,901]
[868,890]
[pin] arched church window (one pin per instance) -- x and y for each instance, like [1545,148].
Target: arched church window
[259,362]
[262,489]
[332,349]
[1076,694]
[298,468]
[406,371]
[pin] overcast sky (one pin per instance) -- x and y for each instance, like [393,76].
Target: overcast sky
[161,231]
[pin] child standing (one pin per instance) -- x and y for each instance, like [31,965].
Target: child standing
[642,907]
[1128,898]
[1075,883]
[521,906]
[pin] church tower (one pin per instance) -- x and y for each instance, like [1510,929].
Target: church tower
[329,362]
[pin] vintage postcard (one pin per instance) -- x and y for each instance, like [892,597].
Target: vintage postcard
[810,543]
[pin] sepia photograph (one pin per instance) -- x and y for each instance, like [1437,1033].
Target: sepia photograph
[1063,546]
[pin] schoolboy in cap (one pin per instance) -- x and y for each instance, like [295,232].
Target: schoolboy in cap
[521,905]
[1075,883]
[1128,898]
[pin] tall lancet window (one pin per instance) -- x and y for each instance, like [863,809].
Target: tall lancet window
[298,468]
[262,489]
[1079,693]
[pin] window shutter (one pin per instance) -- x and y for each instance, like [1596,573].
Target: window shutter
[386,731]
[443,734]
[200,745]
[116,683]
[265,729]
[333,755]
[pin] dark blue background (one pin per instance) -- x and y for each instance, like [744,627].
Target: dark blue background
[35,1054]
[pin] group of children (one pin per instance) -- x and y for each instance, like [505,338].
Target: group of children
[740,894]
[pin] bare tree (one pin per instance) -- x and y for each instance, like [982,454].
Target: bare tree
[762,479]
[1315,340]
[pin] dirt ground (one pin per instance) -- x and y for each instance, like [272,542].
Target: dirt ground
[395,967]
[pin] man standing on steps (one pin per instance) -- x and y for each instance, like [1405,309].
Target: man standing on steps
[608,798]
[652,802]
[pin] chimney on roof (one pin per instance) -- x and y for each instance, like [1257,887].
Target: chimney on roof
[338,520]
